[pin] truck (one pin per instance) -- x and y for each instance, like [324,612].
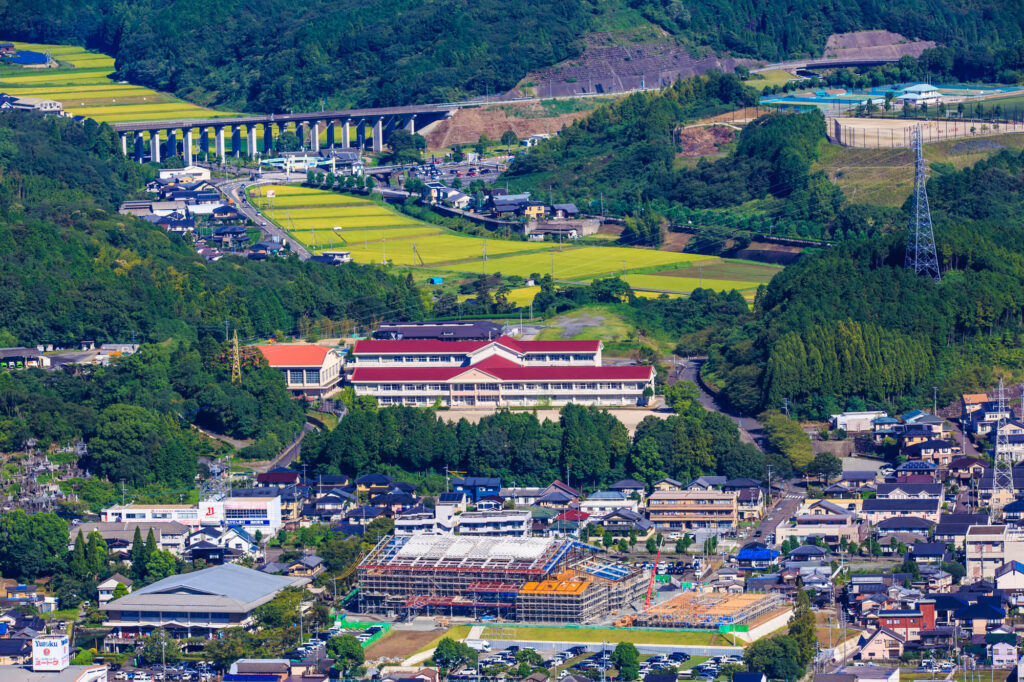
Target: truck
[478,644]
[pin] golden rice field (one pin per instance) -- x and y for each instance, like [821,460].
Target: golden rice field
[581,264]
[687,284]
[291,190]
[522,296]
[363,239]
[442,248]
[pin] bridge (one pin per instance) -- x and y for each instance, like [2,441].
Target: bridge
[352,124]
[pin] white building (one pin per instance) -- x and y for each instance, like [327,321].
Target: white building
[496,522]
[921,93]
[855,422]
[418,521]
[186,174]
[251,513]
[309,370]
[502,372]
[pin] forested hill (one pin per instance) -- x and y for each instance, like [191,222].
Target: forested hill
[850,322]
[276,55]
[72,268]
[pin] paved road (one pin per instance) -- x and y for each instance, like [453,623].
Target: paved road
[958,437]
[751,430]
[235,190]
[291,452]
[784,508]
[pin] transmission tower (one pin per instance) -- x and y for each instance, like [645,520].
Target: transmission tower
[1002,471]
[921,256]
[236,362]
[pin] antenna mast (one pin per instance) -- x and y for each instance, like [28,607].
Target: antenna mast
[1002,469]
[921,256]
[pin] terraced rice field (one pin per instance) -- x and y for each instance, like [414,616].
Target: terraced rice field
[83,85]
[582,264]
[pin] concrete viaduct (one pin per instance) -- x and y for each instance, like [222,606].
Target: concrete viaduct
[346,128]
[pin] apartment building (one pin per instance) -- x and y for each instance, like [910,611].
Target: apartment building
[503,522]
[678,510]
[989,547]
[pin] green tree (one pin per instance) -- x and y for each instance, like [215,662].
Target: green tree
[160,565]
[607,540]
[233,644]
[626,660]
[32,546]
[509,138]
[825,466]
[120,590]
[347,653]
[377,529]
[450,653]
[78,563]
[652,545]
[776,657]
[160,646]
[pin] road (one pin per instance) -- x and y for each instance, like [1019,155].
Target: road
[784,508]
[235,190]
[291,452]
[751,430]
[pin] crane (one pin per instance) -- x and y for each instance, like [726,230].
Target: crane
[654,572]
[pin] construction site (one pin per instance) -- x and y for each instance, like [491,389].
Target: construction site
[541,580]
[710,611]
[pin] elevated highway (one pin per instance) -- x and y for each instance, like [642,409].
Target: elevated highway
[346,128]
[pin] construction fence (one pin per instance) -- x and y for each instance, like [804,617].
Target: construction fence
[881,133]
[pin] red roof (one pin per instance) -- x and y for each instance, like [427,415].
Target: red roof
[294,355]
[387,346]
[555,373]
[572,515]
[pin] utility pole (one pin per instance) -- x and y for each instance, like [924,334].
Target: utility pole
[935,401]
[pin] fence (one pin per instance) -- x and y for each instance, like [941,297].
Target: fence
[875,133]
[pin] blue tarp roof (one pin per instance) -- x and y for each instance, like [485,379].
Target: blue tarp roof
[753,554]
[29,57]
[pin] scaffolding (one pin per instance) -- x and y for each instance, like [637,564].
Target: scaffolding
[709,610]
[536,579]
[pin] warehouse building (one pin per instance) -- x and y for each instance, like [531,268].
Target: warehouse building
[528,579]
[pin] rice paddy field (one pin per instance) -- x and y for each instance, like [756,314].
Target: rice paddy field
[378,234]
[582,264]
[82,83]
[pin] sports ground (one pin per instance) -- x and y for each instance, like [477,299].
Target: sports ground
[374,233]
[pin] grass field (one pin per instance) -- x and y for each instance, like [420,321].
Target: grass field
[587,324]
[348,220]
[773,77]
[458,633]
[584,263]
[609,635]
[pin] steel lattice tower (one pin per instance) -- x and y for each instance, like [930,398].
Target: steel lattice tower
[921,256]
[1002,470]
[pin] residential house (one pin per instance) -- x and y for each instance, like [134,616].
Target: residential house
[877,510]
[393,503]
[707,483]
[941,452]
[667,484]
[362,516]
[822,519]
[564,211]
[881,645]
[904,524]
[984,417]
[169,535]
[419,520]
[952,528]
[1002,654]
[373,484]
[604,502]
[981,617]
[857,480]
[621,522]
[1009,579]
[989,548]
[106,588]
[962,470]
[310,371]
[928,552]
[630,487]
[969,403]
[15,651]
[476,487]
[751,504]
[456,501]
[756,555]
[908,622]
[917,468]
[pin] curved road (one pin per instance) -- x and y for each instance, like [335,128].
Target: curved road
[751,430]
[235,190]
